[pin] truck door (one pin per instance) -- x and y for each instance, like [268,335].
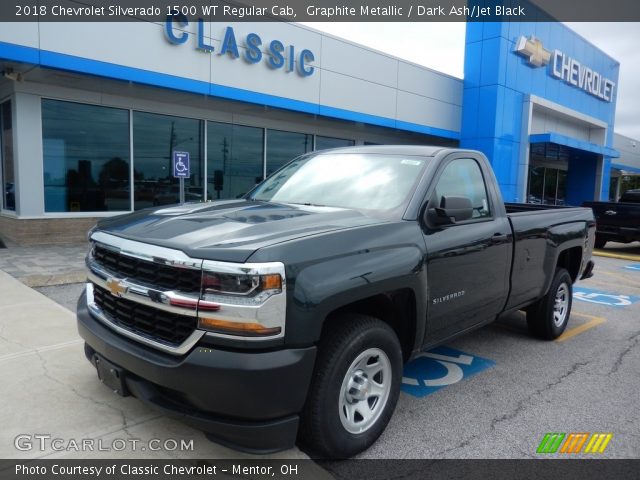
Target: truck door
[468,261]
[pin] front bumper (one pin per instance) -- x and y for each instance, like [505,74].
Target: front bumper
[247,400]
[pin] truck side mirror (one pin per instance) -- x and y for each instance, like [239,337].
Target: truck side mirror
[451,210]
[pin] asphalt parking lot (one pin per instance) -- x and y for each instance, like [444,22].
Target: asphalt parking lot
[493,393]
[515,388]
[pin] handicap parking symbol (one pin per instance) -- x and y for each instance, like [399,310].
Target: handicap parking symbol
[635,266]
[181,165]
[430,371]
[603,298]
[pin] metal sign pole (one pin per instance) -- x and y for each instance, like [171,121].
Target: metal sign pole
[182,190]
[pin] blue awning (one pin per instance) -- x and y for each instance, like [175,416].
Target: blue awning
[626,168]
[573,143]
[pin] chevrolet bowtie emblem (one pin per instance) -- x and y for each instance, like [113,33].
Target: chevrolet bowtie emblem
[531,48]
[116,288]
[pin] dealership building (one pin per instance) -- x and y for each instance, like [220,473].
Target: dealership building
[92,114]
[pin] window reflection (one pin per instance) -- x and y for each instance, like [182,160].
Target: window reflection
[322,143]
[234,159]
[547,186]
[561,194]
[6,157]
[368,182]
[155,138]
[463,178]
[86,157]
[550,185]
[285,146]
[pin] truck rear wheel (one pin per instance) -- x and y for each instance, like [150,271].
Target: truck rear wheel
[355,387]
[548,317]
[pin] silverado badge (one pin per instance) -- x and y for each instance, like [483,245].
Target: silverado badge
[116,288]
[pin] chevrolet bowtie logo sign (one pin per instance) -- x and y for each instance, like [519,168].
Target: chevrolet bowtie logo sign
[116,288]
[531,48]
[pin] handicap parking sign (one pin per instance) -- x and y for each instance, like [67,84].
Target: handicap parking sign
[181,165]
[603,298]
[430,371]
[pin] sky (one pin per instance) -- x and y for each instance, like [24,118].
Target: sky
[440,46]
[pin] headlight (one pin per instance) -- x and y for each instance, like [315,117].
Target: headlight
[258,287]
[244,300]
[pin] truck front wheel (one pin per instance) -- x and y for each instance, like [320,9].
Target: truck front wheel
[355,387]
[548,317]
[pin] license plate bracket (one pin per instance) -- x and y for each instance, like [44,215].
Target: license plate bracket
[111,375]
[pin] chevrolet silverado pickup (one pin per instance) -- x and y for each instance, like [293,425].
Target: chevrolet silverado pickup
[287,315]
[617,221]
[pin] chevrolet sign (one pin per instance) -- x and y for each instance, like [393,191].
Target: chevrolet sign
[531,48]
[574,73]
[565,68]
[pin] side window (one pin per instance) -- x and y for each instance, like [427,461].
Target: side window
[463,178]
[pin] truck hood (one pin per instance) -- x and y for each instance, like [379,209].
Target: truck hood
[230,230]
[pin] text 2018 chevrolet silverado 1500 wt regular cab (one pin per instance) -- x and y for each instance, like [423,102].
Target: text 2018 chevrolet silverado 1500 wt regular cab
[289,313]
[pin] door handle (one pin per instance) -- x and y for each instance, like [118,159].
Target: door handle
[498,238]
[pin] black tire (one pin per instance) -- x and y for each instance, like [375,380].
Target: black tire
[600,242]
[547,320]
[347,338]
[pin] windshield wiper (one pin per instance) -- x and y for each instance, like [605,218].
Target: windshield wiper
[306,204]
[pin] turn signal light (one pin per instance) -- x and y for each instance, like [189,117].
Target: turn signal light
[237,328]
[272,281]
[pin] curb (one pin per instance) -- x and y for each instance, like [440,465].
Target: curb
[620,256]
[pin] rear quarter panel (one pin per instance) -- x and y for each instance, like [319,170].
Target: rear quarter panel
[540,237]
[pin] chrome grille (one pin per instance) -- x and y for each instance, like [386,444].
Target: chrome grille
[150,322]
[146,272]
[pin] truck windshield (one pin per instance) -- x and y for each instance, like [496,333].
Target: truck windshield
[372,182]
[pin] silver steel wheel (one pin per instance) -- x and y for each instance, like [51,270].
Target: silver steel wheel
[365,390]
[561,305]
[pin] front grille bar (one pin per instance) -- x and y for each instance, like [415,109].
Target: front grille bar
[181,349]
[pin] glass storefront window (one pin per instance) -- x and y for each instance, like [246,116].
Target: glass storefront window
[629,182]
[285,146]
[561,196]
[234,159]
[6,158]
[550,186]
[547,186]
[155,138]
[322,143]
[86,157]
[536,185]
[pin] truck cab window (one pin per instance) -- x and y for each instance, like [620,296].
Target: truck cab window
[463,178]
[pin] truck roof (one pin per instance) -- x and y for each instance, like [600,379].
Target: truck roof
[422,150]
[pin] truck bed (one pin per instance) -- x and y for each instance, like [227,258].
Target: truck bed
[538,232]
[530,207]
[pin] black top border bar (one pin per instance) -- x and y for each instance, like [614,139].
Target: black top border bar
[320,10]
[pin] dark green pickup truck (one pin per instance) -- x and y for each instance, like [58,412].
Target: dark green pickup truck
[288,314]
